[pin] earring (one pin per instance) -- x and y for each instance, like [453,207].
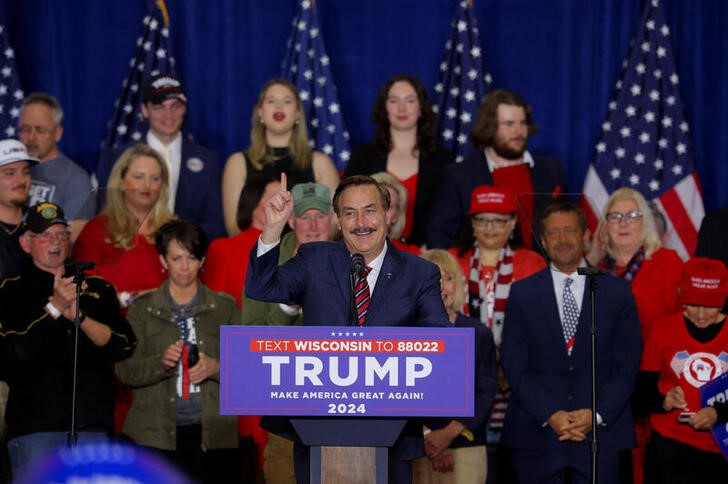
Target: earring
[298,120]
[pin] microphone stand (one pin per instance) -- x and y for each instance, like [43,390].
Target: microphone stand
[78,278]
[592,273]
[353,320]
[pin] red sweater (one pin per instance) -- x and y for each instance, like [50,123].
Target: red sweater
[687,363]
[226,263]
[135,269]
[655,288]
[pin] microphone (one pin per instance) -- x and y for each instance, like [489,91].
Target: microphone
[79,266]
[590,271]
[76,269]
[357,264]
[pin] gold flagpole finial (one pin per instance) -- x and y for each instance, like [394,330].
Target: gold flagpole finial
[165,15]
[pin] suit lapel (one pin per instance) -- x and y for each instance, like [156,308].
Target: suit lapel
[339,263]
[388,275]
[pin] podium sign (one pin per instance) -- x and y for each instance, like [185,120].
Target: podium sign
[344,371]
[714,391]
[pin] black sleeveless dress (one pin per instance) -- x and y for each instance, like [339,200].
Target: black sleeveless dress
[282,163]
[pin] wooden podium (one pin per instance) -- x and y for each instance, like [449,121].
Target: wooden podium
[347,393]
[349,450]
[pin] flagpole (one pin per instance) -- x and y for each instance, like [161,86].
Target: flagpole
[163,9]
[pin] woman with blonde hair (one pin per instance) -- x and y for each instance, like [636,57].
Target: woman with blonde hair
[278,143]
[120,239]
[455,449]
[627,244]
[397,208]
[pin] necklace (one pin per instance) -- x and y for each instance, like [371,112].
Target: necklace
[9,232]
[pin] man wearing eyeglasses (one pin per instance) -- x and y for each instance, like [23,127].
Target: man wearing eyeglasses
[37,312]
[57,178]
[501,130]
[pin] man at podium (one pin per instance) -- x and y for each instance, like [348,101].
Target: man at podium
[387,288]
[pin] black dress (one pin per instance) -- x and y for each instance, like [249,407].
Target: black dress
[282,162]
[366,160]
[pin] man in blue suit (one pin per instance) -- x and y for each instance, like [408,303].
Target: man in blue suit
[404,289]
[194,170]
[400,289]
[546,355]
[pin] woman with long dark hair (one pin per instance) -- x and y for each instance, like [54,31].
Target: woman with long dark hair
[404,146]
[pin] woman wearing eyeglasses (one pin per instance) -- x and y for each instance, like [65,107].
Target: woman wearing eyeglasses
[627,245]
[491,263]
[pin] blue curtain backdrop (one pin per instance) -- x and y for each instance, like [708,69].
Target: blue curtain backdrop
[564,56]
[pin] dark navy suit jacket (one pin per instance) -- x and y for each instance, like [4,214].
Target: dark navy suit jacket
[544,378]
[198,196]
[407,292]
[452,201]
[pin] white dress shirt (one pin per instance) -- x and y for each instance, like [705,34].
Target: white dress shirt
[172,154]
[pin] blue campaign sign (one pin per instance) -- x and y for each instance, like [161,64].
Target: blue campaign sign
[329,371]
[714,391]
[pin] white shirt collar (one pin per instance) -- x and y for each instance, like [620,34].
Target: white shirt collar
[375,267]
[157,144]
[577,287]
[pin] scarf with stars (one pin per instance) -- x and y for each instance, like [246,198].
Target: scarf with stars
[490,310]
[630,270]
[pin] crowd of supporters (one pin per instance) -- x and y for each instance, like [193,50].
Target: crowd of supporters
[170,230]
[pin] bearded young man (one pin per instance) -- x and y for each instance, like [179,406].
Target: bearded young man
[501,131]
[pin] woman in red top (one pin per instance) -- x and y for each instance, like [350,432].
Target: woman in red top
[684,351]
[120,240]
[227,258]
[627,244]
[405,146]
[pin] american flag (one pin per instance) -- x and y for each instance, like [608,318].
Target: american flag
[463,82]
[153,56]
[11,96]
[308,67]
[645,143]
